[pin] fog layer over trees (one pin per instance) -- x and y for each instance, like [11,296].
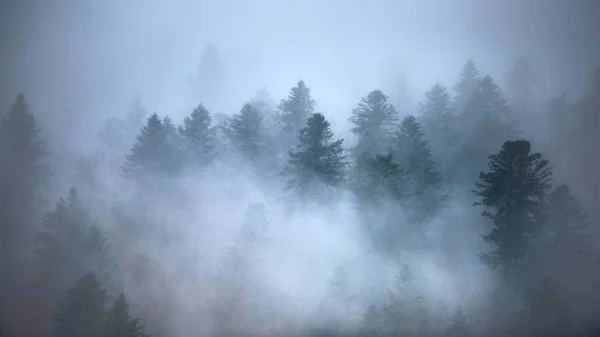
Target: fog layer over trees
[466,206]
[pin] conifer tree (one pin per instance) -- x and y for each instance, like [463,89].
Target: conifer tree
[487,123]
[23,172]
[200,138]
[513,193]
[440,124]
[120,322]
[83,312]
[373,123]
[316,167]
[294,112]
[207,84]
[521,81]
[407,313]
[372,324]
[247,134]
[413,151]
[467,83]
[152,152]
[69,245]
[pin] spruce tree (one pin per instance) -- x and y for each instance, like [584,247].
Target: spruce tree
[83,312]
[440,124]
[152,152]
[487,124]
[373,123]
[514,194]
[200,138]
[413,151]
[316,167]
[23,173]
[120,322]
[468,81]
[207,84]
[294,112]
[246,133]
[68,246]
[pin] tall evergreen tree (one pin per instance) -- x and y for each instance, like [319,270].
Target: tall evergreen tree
[294,112]
[316,167]
[68,246]
[468,81]
[152,154]
[120,322]
[83,312]
[200,137]
[521,81]
[23,173]
[247,134]
[374,120]
[487,123]
[513,193]
[413,151]
[207,84]
[440,124]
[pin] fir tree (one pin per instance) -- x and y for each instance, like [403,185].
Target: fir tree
[247,134]
[69,245]
[207,85]
[83,312]
[374,120]
[440,124]
[467,83]
[200,136]
[487,123]
[413,151]
[23,173]
[120,322]
[294,112]
[152,152]
[513,193]
[317,165]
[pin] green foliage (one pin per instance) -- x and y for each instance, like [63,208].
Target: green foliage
[69,245]
[316,168]
[153,153]
[468,81]
[513,193]
[82,314]
[247,134]
[120,322]
[425,183]
[200,138]
[373,122]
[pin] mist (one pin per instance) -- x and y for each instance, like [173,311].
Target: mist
[235,242]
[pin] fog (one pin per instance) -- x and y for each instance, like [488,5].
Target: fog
[79,63]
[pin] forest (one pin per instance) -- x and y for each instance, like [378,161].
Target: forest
[473,214]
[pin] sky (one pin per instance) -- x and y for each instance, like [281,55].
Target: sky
[81,61]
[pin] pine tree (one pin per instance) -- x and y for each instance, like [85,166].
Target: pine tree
[23,173]
[513,193]
[372,322]
[467,83]
[152,153]
[440,124]
[316,168]
[247,134]
[407,313]
[83,312]
[120,322]
[374,120]
[207,85]
[69,245]
[413,151]
[487,124]
[294,112]
[200,136]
